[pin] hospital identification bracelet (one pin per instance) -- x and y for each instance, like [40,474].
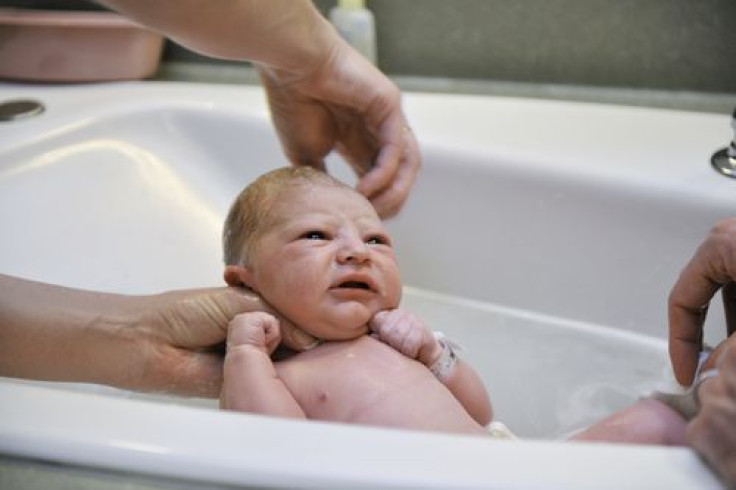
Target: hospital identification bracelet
[443,367]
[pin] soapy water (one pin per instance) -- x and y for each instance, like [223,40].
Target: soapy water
[547,377]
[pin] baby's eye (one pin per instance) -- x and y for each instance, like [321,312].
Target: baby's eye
[378,240]
[314,235]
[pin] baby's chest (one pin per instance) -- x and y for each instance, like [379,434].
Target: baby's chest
[349,384]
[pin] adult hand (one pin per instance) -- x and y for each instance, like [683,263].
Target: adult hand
[712,432]
[323,94]
[348,105]
[180,329]
[164,342]
[713,267]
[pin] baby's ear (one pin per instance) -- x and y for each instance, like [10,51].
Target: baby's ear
[237,275]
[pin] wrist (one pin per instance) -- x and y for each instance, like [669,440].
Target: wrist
[432,351]
[300,45]
[289,35]
[118,345]
[446,362]
[56,333]
[246,351]
[100,338]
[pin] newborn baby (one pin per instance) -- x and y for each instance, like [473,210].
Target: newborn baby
[316,251]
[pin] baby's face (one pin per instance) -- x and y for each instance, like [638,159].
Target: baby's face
[328,265]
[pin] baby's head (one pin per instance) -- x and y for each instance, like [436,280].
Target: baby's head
[314,249]
[252,213]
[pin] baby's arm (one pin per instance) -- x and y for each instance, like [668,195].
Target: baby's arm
[406,333]
[250,382]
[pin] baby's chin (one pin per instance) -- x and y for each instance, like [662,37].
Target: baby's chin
[340,329]
[343,333]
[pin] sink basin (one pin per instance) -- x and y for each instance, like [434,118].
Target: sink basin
[543,235]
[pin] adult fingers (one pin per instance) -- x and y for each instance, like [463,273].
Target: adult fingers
[295,338]
[306,136]
[711,433]
[187,373]
[688,306]
[354,141]
[712,266]
[384,117]
[726,363]
[389,201]
[728,293]
[199,374]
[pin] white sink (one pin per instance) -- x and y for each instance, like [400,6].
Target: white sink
[543,235]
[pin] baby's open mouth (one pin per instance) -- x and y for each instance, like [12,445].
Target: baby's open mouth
[355,285]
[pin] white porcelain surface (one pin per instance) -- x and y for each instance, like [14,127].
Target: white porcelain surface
[543,235]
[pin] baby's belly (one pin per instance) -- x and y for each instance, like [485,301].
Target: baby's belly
[366,381]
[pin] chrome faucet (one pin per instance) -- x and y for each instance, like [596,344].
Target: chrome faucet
[724,160]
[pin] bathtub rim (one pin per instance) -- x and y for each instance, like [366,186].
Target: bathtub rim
[139,437]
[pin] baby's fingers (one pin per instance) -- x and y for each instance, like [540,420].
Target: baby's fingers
[272,334]
[397,329]
[257,329]
[413,341]
[295,338]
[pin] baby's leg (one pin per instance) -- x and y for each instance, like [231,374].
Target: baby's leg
[646,422]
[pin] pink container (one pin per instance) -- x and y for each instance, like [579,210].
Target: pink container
[70,46]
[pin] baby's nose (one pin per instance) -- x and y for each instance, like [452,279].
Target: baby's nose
[354,251]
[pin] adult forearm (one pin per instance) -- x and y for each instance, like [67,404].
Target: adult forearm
[61,334]
[161,342]
[286,34]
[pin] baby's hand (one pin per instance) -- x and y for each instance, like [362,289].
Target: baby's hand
[407,334]
[257,329]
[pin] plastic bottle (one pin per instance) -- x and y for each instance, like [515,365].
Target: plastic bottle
[356,25]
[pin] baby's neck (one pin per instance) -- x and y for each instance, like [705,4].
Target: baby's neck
[283,353]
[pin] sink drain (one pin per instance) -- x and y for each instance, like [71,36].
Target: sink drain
[13,110]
